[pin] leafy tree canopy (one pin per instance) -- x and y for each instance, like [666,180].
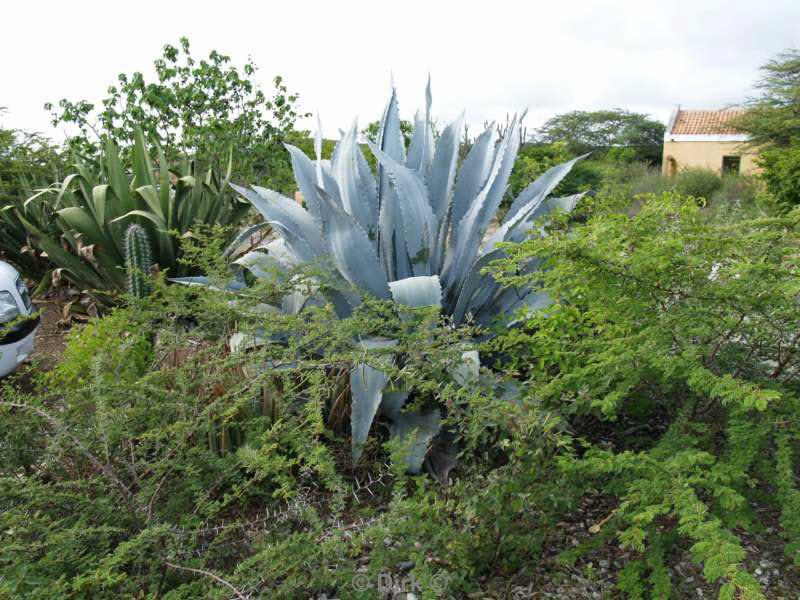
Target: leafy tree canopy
[773,117]
[25,156]
[372,129]
[206,108]
[601,130]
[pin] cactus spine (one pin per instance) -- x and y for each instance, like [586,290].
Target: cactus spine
[137,260]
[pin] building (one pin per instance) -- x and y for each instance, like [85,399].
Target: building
[705,139]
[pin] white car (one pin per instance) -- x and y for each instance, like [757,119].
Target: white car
[16,341]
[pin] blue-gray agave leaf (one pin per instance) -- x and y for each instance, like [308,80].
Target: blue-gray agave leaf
[241,342]
[305,176]
[418,429]
[390,137]
[518,228]
[393,402]
[368,186]
[533,302]
[469,231]
[318,151]
[366,386]
[356,185]
[477,289]
[468,369]
[240,238]
[480,290]
[262,265]
[352,251]
[329,183]
[443,172]
[420,151]
[202,280]
[300,298]
[539,189]
[390,241]
[508,300]
[417,291]
[297,227]
[418,221]
[473,174]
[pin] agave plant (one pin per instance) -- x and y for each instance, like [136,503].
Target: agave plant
[415,232]
[15,243]
[94,211]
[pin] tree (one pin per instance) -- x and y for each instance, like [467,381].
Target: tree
[773,123]
[781,175]
[26,155]
[372,129]
[773,117]
[206,109]
[604,130]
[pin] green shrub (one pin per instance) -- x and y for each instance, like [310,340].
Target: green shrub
[675,326]
[736,189]
[586,176]
[698,183]
[108,487]
[740,197]
[532,161]
[661,376]
[781,174]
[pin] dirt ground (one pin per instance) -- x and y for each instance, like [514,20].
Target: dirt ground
[49,343]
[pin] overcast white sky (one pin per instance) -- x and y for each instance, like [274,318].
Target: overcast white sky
[489,57]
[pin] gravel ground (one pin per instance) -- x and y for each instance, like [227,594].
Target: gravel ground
[49,343]
[593,576]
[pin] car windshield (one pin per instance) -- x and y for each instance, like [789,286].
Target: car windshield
[23,293]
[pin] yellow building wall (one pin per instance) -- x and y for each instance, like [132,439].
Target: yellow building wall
[707,155]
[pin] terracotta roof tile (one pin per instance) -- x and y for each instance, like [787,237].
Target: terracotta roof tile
[693,122]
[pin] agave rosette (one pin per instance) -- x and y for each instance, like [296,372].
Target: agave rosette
[413,232]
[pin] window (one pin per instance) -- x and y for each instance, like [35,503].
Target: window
[731,164]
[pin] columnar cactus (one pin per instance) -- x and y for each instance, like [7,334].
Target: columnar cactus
[138,259]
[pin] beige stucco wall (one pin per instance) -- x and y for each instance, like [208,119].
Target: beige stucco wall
[707,155]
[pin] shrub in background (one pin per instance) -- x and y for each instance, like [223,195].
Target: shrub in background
[532,161]
[698,183]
